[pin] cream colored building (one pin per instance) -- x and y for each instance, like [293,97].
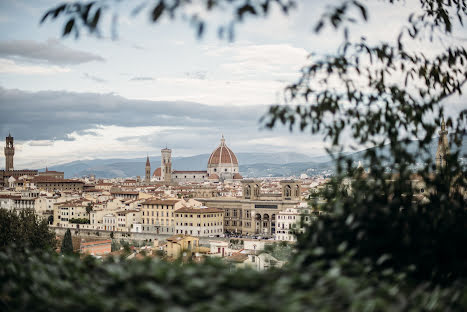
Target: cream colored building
[109,222]
[179,244]
[291,221]
[127,218]
[158,215]
[199,221]
[74,209]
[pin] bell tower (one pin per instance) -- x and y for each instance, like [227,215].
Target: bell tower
[9,153]
[443,147]
[147,178]
[166,165]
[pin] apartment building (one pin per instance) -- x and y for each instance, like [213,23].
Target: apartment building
[199,221]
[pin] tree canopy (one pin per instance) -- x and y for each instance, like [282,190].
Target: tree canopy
[67,243]
[24,229]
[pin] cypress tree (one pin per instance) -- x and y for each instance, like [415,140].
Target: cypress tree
[67,243]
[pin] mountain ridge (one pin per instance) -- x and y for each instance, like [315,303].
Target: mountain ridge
[252,165]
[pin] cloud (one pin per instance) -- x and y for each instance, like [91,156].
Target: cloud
[94,78]
[200,74]
[260,61]
[141,79]
[51,51]
[11,67]
[53,114]
[66,126]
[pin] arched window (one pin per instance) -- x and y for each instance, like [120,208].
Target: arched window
[247,191]
[257,190]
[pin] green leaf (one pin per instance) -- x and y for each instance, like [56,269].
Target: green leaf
[158,10]
[68,27]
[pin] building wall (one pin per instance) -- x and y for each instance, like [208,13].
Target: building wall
[62,186]
[240,215]
[227,170]
[97,248]
[158,216]
[175,248]
[199,223]
[189,176]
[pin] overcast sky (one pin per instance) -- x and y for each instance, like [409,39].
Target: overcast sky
[156,85]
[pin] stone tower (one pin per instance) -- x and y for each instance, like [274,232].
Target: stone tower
[166,165]
[147,178]
[9,153]
[443,147]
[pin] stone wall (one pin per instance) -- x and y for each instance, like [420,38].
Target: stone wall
[128,236]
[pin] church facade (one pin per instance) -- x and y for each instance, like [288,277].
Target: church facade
[222,165]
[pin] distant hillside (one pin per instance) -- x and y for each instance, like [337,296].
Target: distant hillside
[111,168]
[251,164]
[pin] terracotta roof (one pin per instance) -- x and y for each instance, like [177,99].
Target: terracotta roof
[237,257]
[47,179]
[126,211]
[91,190]
[160,202]
[222,155]
[199,210]
[107,241]
[125,192]
[237,176]
[157,172]
[187,171]
[214,177]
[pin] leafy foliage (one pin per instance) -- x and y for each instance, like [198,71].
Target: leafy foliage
[411,233]
[89,208]
[68,283]
[67,243]
[281,251]
[24,229]
[88,15]
[79,221]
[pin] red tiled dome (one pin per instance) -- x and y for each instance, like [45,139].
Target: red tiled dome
[222,155]
[157,172]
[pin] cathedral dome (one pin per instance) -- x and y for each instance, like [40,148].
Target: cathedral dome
[157,172]
[222,155]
